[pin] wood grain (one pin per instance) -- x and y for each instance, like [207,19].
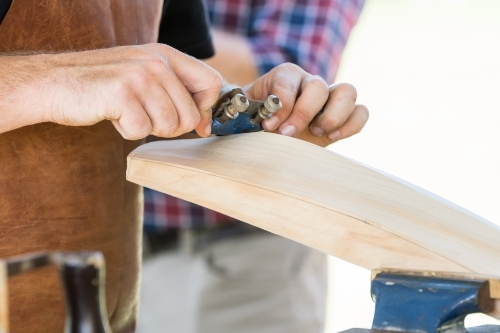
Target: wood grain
[321,199]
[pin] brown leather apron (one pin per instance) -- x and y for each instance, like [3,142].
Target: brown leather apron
[64,188]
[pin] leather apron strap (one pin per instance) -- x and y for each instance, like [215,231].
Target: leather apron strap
[64,188]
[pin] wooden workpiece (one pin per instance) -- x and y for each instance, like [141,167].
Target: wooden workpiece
[321,199]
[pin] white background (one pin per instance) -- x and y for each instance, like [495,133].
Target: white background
[429,71]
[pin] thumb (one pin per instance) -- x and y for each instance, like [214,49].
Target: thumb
[204,84]
[201,80]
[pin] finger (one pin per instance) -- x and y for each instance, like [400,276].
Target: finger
[161,111]
[200,80]
[352,125]
[133,122]
[314,94]
[337,110]
[204,102]
[193,73]
[186,109]
[196,76]
[285,84]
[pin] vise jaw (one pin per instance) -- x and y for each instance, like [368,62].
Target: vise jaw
[429,302]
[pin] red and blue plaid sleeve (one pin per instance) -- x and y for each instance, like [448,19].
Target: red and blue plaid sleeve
[309,33]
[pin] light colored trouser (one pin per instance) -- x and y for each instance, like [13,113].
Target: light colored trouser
[259,283]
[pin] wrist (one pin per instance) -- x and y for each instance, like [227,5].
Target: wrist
[19,92]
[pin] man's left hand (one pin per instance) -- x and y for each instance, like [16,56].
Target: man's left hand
[302,96]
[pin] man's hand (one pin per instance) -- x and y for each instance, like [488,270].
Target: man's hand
[302,96]
[149,89]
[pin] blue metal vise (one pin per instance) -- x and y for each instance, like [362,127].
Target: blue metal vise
[427,304]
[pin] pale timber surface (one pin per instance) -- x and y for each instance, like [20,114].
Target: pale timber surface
[321,199]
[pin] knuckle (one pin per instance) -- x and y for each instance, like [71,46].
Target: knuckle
[157,66]
[347,90]
[165,130]
[191,122]
[170,55]
[140,134]
[137,77]
[288,66]
[165,49]
[331,122]
[139,130]
[284,70]
[168,124]
[285,85]
[136,51]
[213,80]
[160,47]
[217,81]
[302,115]
[122,96]
[144,52]
[152,49]
[318,83]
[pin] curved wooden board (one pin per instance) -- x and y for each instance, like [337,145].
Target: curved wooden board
[321,199]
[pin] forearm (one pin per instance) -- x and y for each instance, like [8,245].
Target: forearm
[233,58]
[19,90]
[133,86]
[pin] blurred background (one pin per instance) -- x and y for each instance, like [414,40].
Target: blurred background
[429,71]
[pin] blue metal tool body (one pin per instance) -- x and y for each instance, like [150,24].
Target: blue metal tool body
[426,304]
[239,125]
[242,123]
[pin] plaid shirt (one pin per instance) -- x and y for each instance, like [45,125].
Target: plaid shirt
[309,33]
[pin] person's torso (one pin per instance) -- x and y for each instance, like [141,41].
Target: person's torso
[64,188]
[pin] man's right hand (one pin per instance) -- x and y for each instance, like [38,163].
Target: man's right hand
[148,89]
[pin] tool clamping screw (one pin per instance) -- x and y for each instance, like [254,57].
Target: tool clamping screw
[239,103]
[271,105]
